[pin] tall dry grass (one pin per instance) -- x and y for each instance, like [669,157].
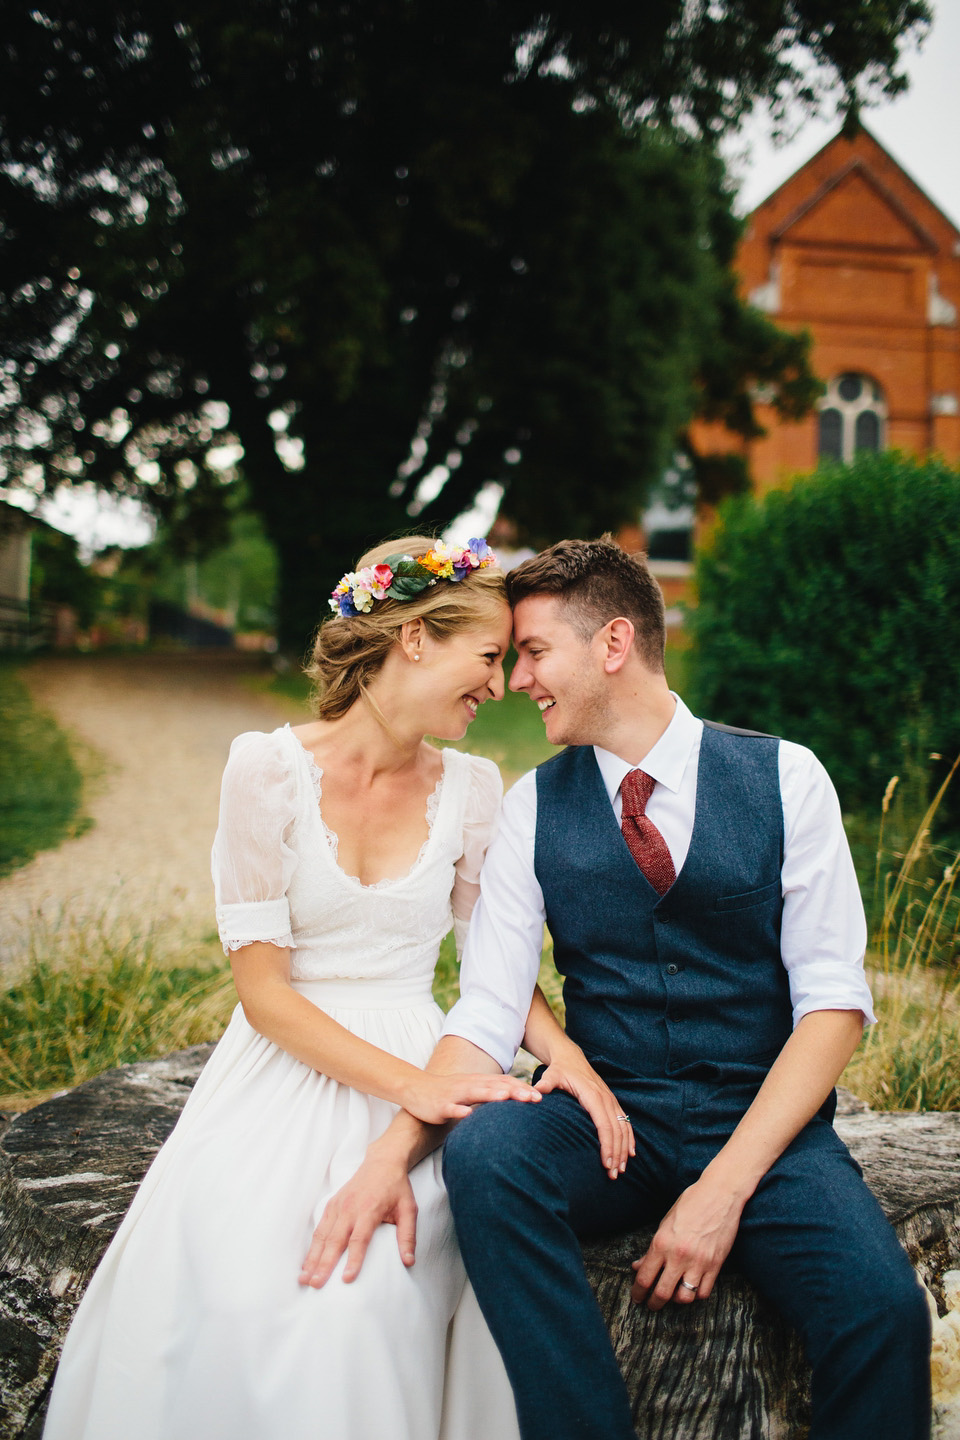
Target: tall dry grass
[98,992]
[910,1060]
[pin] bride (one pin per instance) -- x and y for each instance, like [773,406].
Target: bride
[346,848]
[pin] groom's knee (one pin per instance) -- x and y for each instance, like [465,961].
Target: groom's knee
[486,1152]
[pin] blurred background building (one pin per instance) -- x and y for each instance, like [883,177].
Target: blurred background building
[852,250]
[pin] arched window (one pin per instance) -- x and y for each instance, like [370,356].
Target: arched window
[852,416]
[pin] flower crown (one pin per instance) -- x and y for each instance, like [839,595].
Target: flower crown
[401,577]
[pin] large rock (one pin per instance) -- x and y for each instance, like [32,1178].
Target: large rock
[68,1171]
[726,1369]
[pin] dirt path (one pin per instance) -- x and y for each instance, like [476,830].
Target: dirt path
[162,726]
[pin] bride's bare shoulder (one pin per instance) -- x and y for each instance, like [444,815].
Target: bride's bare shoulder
[311,733]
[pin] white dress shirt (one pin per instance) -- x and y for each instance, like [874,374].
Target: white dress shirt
[823,935]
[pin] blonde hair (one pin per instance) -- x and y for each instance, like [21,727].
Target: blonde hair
[348,651]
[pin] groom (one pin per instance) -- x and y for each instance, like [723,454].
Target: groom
[705,915]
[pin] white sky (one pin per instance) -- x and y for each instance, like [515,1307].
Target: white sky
[921,128]
[98,520]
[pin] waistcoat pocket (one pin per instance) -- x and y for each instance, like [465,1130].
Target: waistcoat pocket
[749,898]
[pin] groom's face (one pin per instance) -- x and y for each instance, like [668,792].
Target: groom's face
[560,671]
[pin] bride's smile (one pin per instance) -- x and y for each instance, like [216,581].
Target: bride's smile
[456,676]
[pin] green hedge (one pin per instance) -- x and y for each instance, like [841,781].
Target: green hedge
[829,613]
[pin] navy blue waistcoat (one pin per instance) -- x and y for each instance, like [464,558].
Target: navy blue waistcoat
[691,982]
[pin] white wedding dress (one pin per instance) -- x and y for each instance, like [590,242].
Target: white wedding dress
[194,1326]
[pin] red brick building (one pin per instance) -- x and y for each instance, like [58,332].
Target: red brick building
[851,249]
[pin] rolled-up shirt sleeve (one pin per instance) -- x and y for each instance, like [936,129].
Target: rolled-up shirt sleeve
[501,958]
[824,932]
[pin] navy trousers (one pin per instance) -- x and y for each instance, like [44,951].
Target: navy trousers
[526,1183]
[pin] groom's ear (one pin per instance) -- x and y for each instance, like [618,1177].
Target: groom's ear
[616,638]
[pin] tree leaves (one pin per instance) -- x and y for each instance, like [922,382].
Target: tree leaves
[425,247]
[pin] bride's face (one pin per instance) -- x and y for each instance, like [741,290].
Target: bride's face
[459,674]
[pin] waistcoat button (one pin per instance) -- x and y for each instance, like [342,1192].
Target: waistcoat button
[672,969]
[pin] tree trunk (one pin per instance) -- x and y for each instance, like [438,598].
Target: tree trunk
[727,1369]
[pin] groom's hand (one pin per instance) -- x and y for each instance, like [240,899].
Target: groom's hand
[571,1071]
[693,1240]
[378,1194]
[696,1236]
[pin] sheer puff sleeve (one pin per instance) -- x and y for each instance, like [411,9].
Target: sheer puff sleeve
[252,860]
[481,814]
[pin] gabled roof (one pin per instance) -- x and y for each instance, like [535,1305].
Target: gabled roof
[14,516]
[879,211]
[910,218]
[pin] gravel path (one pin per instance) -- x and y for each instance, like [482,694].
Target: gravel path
[161,726]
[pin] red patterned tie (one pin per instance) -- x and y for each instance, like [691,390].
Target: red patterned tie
[644,841]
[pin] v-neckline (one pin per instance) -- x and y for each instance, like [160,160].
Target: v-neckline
[331,839]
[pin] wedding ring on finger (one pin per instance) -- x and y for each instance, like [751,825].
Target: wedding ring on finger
[624,1119]
[685,1285]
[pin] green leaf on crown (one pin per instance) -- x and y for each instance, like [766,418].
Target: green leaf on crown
[409,577]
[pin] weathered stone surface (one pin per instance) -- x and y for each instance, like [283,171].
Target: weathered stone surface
[68,1170]
[724,1369]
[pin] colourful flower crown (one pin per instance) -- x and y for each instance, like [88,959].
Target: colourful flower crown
[401,577]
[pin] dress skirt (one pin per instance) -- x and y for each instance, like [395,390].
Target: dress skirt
[194,1326]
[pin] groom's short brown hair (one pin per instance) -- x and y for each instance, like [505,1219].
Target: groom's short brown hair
[596,581]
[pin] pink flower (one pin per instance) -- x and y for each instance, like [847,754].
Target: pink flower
[382,578]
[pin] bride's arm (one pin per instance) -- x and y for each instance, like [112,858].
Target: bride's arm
[253,862]
[261,972]
[379,1193]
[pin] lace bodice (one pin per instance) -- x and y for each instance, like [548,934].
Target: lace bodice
[276,876]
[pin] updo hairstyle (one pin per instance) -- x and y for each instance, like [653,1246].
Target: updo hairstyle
[348,651]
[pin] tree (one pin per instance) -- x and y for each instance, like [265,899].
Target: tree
[394,251]
[238,578]
[58,577]
[827,614]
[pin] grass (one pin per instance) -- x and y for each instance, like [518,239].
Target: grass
[99,993]
[41,784]
[911,1059]
[92,995]
[96,994]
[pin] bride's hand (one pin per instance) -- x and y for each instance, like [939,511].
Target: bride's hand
[436,1098]
[378,1194]
[570,1070]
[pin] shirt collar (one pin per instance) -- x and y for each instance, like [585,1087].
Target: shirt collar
[666,761]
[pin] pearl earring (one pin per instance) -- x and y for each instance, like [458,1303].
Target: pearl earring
[416,657]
